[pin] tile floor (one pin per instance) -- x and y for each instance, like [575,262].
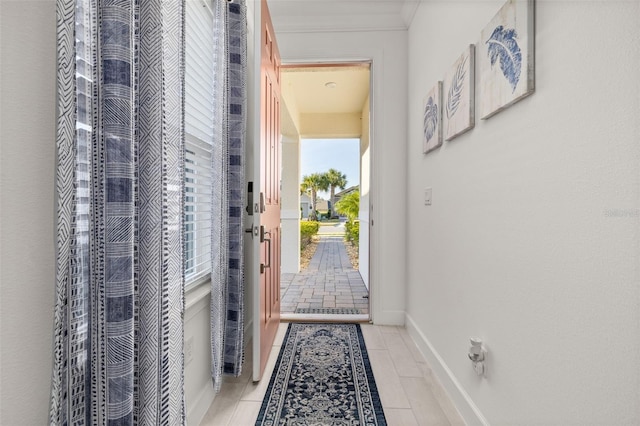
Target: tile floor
[329,282]
[410,394]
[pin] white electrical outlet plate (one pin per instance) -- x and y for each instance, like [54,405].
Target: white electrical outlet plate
[428,194]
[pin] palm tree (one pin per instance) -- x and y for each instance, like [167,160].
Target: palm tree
[335,179]
[310,185]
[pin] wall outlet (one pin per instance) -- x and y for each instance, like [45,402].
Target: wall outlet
[188,351]
[428,194]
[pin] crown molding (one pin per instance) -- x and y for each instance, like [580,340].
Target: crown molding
[295,16]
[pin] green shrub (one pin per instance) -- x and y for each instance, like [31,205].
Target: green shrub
[349,205]
[309,227]
[352,231]
[307,230]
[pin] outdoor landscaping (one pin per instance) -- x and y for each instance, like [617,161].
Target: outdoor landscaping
[328,181]
[307,231]
[348,207]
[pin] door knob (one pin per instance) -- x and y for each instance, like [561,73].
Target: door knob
[268,241]
[266,265]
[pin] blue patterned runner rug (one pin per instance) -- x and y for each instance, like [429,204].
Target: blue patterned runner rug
[322,378]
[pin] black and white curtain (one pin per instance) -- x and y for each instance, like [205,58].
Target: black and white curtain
[227,295]
[118,326]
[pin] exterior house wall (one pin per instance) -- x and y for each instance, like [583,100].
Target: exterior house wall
[291,203]
[365,188]
[305,204]
[293,208]
[532,241]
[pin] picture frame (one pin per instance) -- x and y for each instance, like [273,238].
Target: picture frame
[432,119]
[458,93]
[506,57]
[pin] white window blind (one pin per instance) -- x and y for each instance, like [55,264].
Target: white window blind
[199,68]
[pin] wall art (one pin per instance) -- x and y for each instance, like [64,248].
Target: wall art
[458,95]
[506,57]
[432,115]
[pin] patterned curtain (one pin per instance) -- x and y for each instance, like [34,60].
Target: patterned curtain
[118,326]
[227,292]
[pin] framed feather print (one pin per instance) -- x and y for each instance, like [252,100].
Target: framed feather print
[458,100]
[432,118]
[506,57]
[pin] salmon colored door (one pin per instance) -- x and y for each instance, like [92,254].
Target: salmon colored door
[269,189]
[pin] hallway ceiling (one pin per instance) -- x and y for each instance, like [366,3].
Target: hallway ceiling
[341,15]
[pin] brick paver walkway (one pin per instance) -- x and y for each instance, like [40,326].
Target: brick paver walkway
[328,282]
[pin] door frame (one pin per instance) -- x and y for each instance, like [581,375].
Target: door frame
[349,61]
[379,311]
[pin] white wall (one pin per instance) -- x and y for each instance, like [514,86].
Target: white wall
[365,188]
[388,51]
[27,214]
[533,238]
[198,386]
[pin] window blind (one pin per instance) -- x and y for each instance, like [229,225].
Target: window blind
[199,69]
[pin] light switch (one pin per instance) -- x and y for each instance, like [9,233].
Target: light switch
[427,196]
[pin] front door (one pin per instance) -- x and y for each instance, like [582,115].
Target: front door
[269,197]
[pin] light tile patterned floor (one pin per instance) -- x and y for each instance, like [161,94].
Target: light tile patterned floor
[328,282]
[410,395]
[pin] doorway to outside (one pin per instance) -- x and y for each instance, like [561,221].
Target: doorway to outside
[326,162]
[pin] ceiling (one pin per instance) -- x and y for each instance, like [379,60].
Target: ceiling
[326,89]
[341,15]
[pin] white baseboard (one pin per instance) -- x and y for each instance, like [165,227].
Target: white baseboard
[451,388]
[389,318]
[200,408]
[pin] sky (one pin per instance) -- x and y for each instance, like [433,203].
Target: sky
[320,155]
